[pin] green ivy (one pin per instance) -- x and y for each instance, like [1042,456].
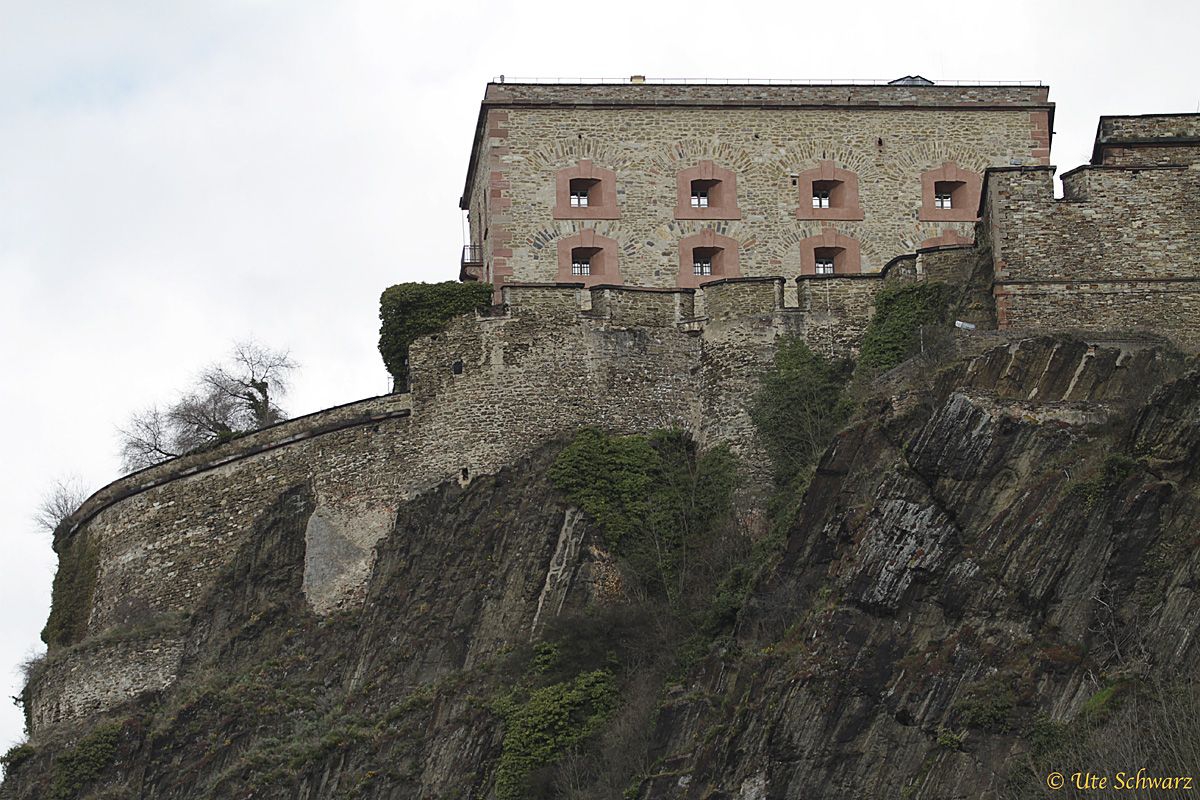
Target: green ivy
[893,334]
[74,583]
[80,766]
[655,497]
[799,405]
[541,725]
[408,311]
[17,755]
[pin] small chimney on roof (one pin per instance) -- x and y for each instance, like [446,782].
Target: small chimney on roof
[637,78]
[911,80]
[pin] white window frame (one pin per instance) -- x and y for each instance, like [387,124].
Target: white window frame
[581,267]
[702,266]
[823,266]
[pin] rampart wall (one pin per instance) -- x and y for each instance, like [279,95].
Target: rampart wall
[485,391]
[1117,252]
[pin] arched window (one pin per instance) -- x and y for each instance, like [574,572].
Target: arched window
[585,191]
[828,192]
[950,194]
[706,191]
[829,253]
[707,256]
[588,258]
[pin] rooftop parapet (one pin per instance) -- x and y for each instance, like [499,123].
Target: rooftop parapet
[1147,139]
[784,95]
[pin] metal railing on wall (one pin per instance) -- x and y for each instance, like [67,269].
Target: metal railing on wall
[758,81]
[471,254]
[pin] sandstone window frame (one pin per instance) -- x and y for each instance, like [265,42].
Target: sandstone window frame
[844,204]
[844,251]
[601,193]
[720,251]
[963,186]
[602,259]
[719,185]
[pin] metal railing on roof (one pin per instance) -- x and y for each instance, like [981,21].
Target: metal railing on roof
[755,81]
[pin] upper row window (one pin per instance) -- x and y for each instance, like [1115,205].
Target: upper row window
[708,191]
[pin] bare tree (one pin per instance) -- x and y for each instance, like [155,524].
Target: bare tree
[229,398]
[147,439]
[60,502]
[254,376]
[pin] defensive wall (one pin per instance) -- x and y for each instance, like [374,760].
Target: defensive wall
[760,148]
[1119,250]
[485,391]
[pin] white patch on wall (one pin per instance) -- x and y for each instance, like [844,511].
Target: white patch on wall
[339,551]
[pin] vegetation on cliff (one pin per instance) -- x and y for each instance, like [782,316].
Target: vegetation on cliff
[894,333]
[410,310]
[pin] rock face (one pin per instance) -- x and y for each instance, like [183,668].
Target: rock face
[985,550]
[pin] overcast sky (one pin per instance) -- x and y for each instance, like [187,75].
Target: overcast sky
[174,176]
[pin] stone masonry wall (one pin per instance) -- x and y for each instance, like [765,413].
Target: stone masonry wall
[485,391]
[648,148]
[1120,251]
[647,134]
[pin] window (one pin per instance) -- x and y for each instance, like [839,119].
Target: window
[705,194]
[828,193]
[588,258]
[949,194]
[706,191]
[830,256]
[581,189]
[706,256]
[585,191]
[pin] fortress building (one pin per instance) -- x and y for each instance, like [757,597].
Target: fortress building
[676,185]
[651,245]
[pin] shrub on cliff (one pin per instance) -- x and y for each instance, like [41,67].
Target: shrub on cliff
[410,310]
[894,333]
[661,504]
[801,402]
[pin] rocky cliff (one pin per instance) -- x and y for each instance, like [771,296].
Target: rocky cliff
[993,566]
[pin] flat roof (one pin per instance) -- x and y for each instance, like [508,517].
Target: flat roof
[605,94]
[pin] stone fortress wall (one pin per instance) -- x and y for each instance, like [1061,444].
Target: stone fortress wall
[886,138]
[1119,250]
[555,357]
[487,390]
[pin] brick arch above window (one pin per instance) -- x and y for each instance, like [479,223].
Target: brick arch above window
[829,192]
[598,252]
[829,244]
[719,252]
[597,184]
[706,191]
[950,194]
[948,237]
